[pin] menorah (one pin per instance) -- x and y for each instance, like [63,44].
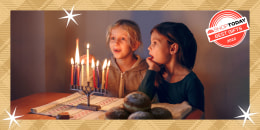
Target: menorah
[78,72]
[88,90]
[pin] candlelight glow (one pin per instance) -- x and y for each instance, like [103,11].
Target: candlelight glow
[82,62]
[93,63]
[72,61]
[88,46]
[77,52]
[108,64]
[105,64]
[97,63]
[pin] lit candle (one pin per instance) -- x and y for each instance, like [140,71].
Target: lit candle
[75,75]
[103,73]
[82,73]
[77,60]
[97,64]
[87,62]
[93,70]
[108,64]
[72,73]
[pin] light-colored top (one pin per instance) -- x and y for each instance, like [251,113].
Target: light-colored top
[122,83]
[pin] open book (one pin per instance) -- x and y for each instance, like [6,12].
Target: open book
[69,104]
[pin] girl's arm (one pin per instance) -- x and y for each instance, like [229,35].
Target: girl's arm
[147,85]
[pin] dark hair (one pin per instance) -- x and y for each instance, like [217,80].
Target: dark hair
[180,34]
[130,26]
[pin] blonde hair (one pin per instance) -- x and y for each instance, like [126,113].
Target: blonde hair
[131,27]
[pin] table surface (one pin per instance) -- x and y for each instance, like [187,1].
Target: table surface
[23,106]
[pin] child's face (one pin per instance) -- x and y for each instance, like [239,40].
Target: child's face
[120,43]
[159,48]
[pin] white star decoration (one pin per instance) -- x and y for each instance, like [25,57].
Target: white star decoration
[12,118]
[70,16]
[246,115]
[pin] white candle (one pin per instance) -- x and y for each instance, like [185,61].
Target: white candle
[103,73]
[82,73]
[87,62]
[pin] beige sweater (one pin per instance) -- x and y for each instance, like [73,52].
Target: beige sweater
[122,83]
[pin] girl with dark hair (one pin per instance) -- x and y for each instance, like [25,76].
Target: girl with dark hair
[170,76]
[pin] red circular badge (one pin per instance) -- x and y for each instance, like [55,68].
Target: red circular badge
[227,28]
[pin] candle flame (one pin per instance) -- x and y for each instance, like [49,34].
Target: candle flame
[77,52]
[82,62]
[97,63]
[72,61]
[93,63]
[108,64]
[104,64]
[88,46]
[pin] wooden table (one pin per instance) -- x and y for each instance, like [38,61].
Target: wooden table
[24,104]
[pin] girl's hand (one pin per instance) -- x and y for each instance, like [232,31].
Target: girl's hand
[152,65]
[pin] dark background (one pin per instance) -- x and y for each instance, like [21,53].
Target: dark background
[41,48]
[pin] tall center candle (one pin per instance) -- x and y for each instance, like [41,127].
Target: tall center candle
[72,73]
[108,64]
[77,64]
[87,62]
[103,73]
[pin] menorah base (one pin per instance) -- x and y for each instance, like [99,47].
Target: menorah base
[89,107]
